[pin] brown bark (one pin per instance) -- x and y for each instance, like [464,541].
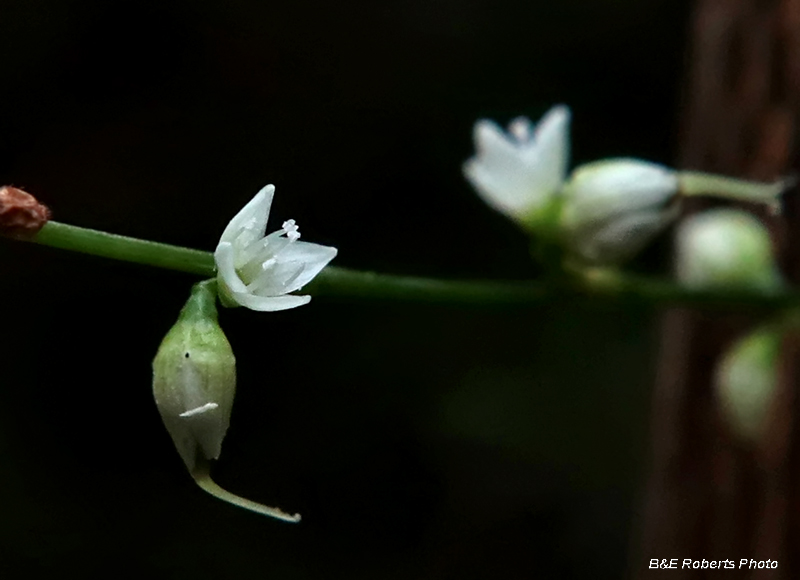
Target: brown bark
[710,496]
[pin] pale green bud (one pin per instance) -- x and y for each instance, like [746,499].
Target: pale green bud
[745,383]
[613,208]
[194,381]
[725,249]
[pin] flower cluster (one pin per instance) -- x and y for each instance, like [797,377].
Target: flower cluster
[604,212]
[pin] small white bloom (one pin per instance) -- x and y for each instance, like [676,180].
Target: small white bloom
[725,249]
[259,271]
[613,208]
[520,172]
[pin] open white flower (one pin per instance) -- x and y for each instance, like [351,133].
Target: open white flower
[519,173]
[259,271]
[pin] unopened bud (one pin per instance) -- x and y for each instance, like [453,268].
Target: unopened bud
[745,383]
[194,380]
[613,208]
[725,249]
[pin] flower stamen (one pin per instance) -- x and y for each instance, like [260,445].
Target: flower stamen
[292,230]
[521,129]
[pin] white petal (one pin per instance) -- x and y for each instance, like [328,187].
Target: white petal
[276,279]
[251,222]
[224,257]
[492,146]
[314,258]
[270,303]
[623,238]
[549,157]
[512,189]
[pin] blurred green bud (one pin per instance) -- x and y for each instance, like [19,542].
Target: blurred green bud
[613,208]
[745,383]
[725,248]
[194,381]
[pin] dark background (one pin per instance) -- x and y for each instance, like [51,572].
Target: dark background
[417,441]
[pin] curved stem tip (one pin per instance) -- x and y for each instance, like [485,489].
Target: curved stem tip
[202,477]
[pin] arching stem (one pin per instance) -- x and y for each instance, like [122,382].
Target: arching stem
[202,476]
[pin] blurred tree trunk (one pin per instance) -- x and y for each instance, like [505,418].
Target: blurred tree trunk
[709,496]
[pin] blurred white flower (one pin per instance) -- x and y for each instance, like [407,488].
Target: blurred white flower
[258,271]
[520,172]
[606,211]
[725,249]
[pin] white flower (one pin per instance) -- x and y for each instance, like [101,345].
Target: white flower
[520,172]
[613,208]
[258,271]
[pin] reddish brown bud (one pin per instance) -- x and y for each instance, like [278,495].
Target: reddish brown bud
[21,214]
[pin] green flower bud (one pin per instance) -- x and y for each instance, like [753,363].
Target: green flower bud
[194,381]
[745,383]
[725,248]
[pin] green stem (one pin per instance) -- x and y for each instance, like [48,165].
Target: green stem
[202,477]
[620,286]
[333,281]
[693,183]
[127,249]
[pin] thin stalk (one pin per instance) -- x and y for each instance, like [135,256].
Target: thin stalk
[333,281]
[97,243]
